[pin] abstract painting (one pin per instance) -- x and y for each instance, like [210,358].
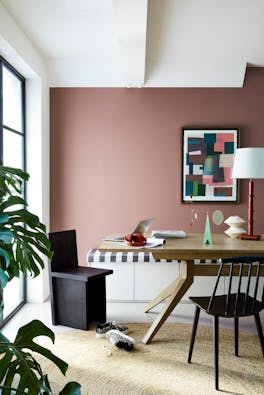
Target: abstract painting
[208,156]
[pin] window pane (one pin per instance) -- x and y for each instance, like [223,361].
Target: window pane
[12,94]
[12,88]
[13,295]
[12,149]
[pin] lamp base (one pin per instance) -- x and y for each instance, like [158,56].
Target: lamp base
[250,237]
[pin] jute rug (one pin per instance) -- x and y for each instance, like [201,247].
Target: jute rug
[160,367]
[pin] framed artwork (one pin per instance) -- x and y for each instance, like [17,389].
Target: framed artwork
[207,162]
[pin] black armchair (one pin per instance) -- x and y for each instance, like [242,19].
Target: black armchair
[78,296]
[240,300]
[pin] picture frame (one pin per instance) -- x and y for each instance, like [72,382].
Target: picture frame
[207,160]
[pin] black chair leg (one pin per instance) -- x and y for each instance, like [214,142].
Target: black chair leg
[260,332]
[216,350]
[236,324]
[194,328]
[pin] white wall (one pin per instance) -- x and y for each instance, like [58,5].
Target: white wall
[17,49]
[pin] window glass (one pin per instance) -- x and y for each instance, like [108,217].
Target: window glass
[12,149]
[13,295]
[12,95]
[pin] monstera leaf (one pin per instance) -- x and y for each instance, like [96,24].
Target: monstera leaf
[29,241]
[20,373]
[23,243]
[11,179]
[5,237]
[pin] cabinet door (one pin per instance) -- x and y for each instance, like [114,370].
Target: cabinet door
[120,285]
[152,278]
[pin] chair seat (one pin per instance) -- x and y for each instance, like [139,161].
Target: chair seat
[81,273]
[219,304]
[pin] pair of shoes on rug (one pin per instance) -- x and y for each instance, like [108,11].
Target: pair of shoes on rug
[120,340]
[102,329]
[117,334]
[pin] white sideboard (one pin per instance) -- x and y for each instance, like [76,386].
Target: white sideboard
[137,281]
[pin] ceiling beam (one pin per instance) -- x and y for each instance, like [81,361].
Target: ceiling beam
[131,28]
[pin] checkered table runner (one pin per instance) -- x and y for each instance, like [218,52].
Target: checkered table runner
[94,255]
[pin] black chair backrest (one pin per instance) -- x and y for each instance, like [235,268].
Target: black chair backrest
[242,295]
[64,247]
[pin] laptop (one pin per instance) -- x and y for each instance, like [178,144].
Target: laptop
[142,227]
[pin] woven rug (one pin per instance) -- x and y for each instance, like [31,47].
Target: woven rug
[158,368]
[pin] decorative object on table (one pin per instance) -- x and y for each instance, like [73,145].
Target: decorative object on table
[218,217]
[249,164]
[207,164]
[207,237]
[234,222]
[135,239]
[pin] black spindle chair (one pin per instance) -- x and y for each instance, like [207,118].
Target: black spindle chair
[240,300]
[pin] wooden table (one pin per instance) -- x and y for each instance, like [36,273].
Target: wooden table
[186,250]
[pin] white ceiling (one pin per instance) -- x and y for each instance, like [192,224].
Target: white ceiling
[177,43]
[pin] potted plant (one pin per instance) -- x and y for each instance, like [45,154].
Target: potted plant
[23,242]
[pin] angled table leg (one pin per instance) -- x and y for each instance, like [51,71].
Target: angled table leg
[162,296]
[174,292]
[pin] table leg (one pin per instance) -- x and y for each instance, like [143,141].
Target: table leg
[174,292]
[162,296]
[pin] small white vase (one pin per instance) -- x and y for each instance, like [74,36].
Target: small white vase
[234,223]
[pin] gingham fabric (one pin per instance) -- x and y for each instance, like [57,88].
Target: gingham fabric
[95,256]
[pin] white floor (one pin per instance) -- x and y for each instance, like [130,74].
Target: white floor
[120,312]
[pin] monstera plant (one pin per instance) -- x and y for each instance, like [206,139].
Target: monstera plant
[23,243]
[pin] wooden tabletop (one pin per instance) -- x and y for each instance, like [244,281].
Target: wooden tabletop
[192,247]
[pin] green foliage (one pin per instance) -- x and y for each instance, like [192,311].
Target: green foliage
[5,237]
[19,370]
[11,180]
[29,240]
[23,243]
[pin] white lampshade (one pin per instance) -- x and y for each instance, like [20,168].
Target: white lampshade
[248,163]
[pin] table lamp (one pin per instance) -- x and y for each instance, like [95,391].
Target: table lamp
[249,164]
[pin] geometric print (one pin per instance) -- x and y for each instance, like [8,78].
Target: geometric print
[207,165]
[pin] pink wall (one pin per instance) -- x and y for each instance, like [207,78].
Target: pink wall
[116,155]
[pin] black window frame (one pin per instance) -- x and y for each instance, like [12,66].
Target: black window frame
[22,133]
